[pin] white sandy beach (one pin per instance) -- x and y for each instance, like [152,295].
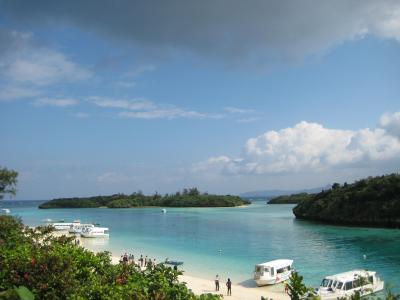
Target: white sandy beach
[240,291]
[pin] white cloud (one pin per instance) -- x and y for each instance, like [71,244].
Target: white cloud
[236,110]
[131,104]
[144,109]
[60,102]
[309,147]
[9,93]
[172,113]
[26,67]
[42,67]
[391,123]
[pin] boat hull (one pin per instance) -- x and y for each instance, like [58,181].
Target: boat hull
[85,235]
[262,281]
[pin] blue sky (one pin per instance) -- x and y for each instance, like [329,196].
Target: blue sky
[165,96]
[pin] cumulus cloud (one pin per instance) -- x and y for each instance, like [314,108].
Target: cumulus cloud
[391,123]
[59,102]
[231,30]
[26,66]
[311,147]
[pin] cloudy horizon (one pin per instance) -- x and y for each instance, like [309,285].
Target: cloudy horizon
[227,96]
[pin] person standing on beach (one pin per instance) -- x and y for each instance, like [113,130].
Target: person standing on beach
[145,261]
[217,283]
[141,260]
[229,286]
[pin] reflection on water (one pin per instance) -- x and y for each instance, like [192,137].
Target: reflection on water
[230,241]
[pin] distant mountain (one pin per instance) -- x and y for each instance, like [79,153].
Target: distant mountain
[274,193]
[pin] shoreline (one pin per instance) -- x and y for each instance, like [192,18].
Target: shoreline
[245,290]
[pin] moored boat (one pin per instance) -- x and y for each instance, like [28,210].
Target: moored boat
[173,262]
[94,232]
[5,211]
[273,272]
[346,284]
[77,228]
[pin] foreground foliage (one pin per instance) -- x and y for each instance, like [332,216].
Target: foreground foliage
[55,268]
[187,198]
[374,201]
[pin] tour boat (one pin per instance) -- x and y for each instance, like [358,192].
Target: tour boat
[346,284]
[5,211]
[62,226]
[94,232]
[77,228]
[273,272]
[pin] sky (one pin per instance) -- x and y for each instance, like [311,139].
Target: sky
[103,97]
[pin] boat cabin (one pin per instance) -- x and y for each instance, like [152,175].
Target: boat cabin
[273,272]
[347,283]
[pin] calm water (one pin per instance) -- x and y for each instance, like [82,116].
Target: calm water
[230,241]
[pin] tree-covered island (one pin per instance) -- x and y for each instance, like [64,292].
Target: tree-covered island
[290,199]
[187,198]
[373,201]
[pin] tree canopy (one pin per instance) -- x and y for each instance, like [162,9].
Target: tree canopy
[55,268]
[372,201]
[8,182]
[187,198]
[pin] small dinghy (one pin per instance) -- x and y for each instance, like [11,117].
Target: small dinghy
[173,262]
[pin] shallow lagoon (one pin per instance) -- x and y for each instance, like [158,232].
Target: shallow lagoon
[230,241]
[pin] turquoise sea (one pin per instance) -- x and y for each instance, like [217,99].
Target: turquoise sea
[230,241]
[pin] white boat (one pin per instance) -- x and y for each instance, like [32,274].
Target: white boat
[273,272]
[5,211]
[62,226]
[77,228]
[346,284]
[164,211]
[94,232]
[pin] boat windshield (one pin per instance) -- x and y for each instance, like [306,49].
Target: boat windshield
[259,269]
[326,282]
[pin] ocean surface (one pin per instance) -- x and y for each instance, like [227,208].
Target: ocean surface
[230,241]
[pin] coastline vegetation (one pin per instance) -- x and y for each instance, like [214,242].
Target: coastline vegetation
[373,201]
[187,198]
[290,199]
[36,265]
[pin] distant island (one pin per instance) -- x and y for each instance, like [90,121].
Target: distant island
[290,199]
[373,201]
[187,198]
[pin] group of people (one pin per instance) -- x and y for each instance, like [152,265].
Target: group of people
[141,262]
[228,285]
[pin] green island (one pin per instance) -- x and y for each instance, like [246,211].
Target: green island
[373,201]
[290,199]
[187,198]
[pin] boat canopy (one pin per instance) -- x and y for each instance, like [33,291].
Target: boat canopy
[277,264]
[351,275]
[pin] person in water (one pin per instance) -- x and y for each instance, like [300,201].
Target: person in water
[229,286]
[217,283]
